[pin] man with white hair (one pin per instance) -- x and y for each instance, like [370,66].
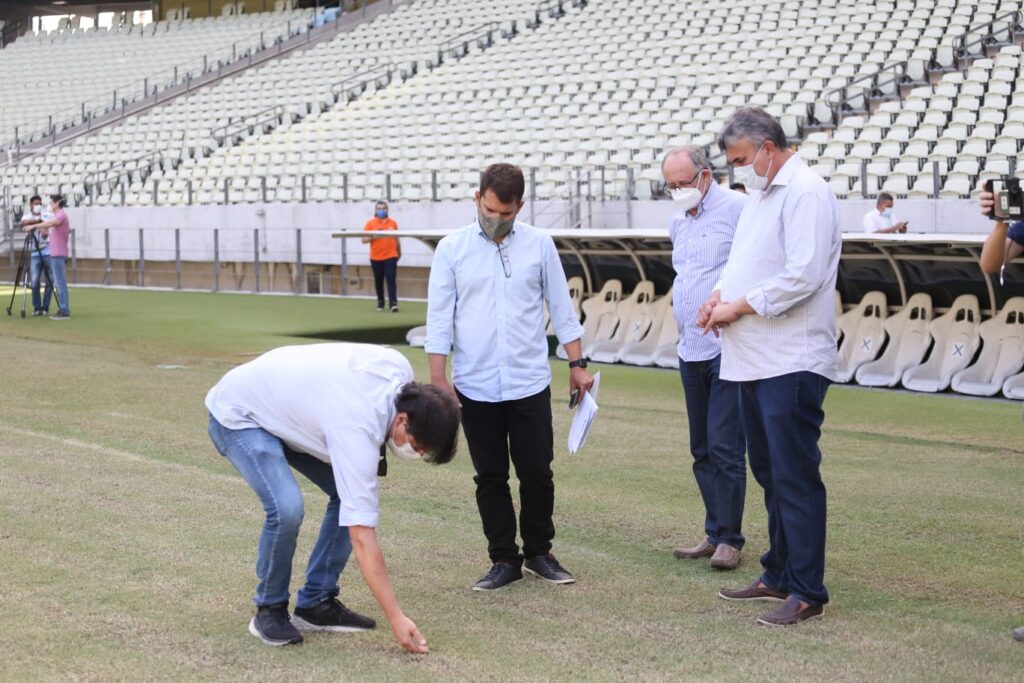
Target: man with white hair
[701,235]
[775,306]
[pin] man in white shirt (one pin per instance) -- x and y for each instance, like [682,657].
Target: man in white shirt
[881,218]
[701,235]
[39,249]
[327,411]
[775,308]
[485,305]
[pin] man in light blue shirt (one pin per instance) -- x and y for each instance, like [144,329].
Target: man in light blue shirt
[701,235]
[485,305]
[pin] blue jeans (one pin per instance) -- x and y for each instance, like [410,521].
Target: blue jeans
[266,463]
[717,445]
[60,283]
[38,262]
[783,419]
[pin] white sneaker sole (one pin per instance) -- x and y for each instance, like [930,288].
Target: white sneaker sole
[255,631]
[557,582]
[303,625]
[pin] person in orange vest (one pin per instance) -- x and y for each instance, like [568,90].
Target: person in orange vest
[384,255]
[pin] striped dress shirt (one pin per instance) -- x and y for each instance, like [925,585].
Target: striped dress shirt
[700,248]
[784,260]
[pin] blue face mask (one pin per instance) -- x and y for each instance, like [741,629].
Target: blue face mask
[383,213]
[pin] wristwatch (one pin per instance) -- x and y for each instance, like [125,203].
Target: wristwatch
[581,363]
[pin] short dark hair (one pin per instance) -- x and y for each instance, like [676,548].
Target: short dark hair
[35,198]
[884,197]
[505,180]
[752,124]
[434,418]
[738,186]
[58,199]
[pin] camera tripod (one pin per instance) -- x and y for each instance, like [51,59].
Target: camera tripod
[23,276]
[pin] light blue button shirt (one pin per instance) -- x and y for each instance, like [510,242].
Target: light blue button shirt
[700,248]
[485,307]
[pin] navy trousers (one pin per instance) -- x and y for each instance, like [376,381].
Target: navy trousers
[783,418]
[717,444]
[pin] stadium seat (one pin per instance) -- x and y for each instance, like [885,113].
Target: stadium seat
[863,334]
[908,343]
[636,323]
[595,309]
[1014,387]
[417,336]
[612,326]
[663,332]
[1002,352]
[955,337]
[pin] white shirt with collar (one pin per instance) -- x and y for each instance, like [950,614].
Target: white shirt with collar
[485,307]
[876,220]
[335,402]
[784,260]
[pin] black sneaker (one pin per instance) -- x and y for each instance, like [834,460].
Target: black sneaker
[271,625]
[330,615]
[546,567]
[39,312]
[380,308]
[501,575]
[394,308]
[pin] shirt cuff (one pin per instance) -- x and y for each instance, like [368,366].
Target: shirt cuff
[440,347]
[759,302]
[368,519]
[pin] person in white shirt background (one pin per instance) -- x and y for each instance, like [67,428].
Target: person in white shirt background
[775,309]
[488,286]
[39,249]
[881,218]
[327,411]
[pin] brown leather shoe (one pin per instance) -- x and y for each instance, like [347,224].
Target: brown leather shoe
[755,591]
[725,557]
[790,613]
[702,549]
[1018,634]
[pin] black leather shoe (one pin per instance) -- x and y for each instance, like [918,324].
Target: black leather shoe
[271,625]
[330,615]
[546,567]
[501,575]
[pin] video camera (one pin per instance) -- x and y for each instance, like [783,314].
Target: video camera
[1009,199]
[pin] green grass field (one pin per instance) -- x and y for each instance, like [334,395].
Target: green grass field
[127,544]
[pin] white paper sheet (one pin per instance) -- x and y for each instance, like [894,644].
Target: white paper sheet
[584,418]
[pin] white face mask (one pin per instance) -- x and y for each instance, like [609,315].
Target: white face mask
[406,452]
[686,197]
[887,212]
[747,176]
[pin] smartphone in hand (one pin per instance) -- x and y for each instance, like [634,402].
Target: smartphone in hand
[574,398]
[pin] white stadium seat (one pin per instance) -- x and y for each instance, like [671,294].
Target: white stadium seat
[955,339]
[661,333]
[908,343]
[1002,352]
[613,325]
[863,334]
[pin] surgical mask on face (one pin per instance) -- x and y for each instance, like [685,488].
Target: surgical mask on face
[37,209]
[686,197]
[887,213]
[406,452]
[382,213]
[746,175]
[494,227]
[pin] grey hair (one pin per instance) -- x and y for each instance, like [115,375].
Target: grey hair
[754,125]
[697,157]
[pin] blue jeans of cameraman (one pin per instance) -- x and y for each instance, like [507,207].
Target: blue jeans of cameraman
[266,463]
[41,260]
[717,445]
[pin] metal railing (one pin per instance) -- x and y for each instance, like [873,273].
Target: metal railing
[248,124]
[885,83]
[458,46]
[348,89]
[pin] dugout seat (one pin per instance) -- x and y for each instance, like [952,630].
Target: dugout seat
[635,326]
[908,344]
[417,336]
[595,309]
[662,332]
[1002,352]
[611,329]
[955,336]
[1014,387]
[863,330]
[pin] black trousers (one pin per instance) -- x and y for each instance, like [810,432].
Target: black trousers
[519,429]
[386,269]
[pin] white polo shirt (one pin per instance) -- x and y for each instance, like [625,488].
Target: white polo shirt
[335,402]
[876,220]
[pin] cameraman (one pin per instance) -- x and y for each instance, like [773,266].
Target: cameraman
[39,248]
[1004,243]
